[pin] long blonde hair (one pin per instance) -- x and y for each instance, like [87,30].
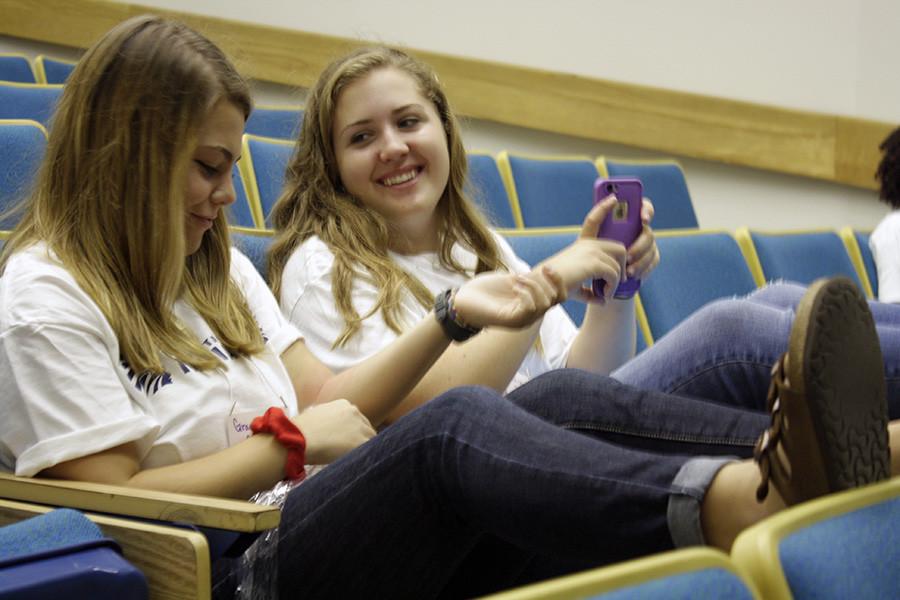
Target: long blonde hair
[314,202]
[109,198]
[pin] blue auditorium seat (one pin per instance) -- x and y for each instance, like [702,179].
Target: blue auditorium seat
[16,67]
[263,166]
[683,574]
[857,244]
[488,191]
[843,545]
[549,191]
[35,101]
[275,122]
[172,538]
[696,267]
[241,212]
[254,243]
[22,146]
[801,256]
[51,70]
[62,554]
[664,184]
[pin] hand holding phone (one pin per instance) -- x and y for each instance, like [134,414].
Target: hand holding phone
[623,224]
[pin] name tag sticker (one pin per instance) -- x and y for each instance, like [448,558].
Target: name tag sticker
[237,426]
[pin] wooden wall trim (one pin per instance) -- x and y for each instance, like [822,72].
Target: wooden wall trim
[829,147]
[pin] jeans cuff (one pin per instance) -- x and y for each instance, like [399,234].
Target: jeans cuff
[688,490]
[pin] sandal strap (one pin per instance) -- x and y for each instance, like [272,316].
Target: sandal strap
[765,450]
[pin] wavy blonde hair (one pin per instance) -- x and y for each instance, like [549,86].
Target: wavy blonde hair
[109,198]
[314,201]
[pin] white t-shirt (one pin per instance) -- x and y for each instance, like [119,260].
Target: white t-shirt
[67,392]
[885,245]
[307,300]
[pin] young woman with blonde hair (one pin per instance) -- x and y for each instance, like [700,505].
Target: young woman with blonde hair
[137,348]
[374,221]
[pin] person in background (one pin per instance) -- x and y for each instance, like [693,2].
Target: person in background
[885,239]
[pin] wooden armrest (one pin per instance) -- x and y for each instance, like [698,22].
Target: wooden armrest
[174,560]
[203,511]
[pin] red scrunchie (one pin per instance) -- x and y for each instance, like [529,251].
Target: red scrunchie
[274,421]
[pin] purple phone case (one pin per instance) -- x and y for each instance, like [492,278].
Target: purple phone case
[628,191]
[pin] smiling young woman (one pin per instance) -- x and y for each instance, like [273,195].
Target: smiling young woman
[391,151]
[374,221]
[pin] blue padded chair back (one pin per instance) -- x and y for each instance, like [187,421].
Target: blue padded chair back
[255,247]
[488,191]
[55,71]
[240,213]
[553,193]
[16,67]
[803,256]
[29,101]
[535,246]
[63,554]
[22,146]
[268,159]
[683,574]
[694,269]
[665,185]
[862,239]
[710,584]
[273,122]
[854,555]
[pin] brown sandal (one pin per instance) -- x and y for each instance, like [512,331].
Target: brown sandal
[827,400]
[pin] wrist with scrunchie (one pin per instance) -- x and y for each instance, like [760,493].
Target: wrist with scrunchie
[287,434]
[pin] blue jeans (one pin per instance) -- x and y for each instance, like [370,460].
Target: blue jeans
[725,351]
[473,493]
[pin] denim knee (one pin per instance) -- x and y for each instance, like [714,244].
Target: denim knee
[780,294]
[456,403]
[560,386]
[727,319]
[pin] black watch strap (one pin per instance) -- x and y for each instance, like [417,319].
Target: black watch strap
[446,316]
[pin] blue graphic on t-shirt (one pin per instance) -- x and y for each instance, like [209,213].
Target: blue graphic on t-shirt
[150,383]
[147,382]
[212,342]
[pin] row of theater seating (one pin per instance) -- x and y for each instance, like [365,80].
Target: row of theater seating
[844,545]
[36,101]
[696,267]
[29,90]
[513,190]
[45,69]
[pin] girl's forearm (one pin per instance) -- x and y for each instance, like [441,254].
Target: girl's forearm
[606,339]
[378,384]
[489,359]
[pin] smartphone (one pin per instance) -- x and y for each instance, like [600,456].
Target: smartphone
[623,223]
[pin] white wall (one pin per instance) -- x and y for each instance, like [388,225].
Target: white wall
[834,56]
